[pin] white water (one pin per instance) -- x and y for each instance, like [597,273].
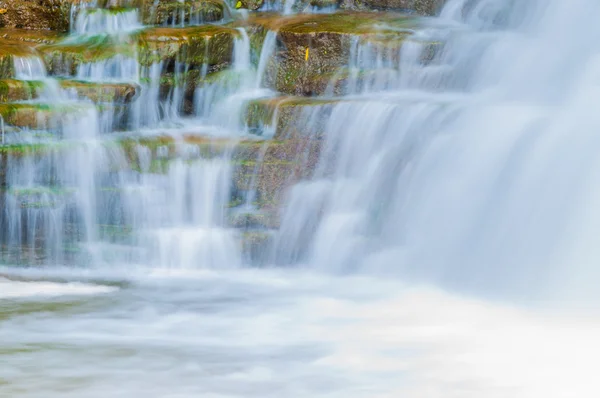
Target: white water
[474,172]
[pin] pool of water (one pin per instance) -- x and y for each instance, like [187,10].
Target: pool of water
[278,333]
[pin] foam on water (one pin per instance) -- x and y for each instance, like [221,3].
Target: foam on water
[231,334]
[39,290]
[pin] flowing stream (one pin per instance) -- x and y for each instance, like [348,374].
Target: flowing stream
[418,223]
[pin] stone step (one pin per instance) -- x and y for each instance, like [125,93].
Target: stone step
[186,12]
[311,49]
[194,46]
[287,117]
[37,121]
[267,168]
[10,50]
[63,58]
[12,90]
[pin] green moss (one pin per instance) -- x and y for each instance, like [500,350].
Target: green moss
[31,37]
[103,92]
[19,90]
[169,12]
[36,115]
[66,56]
[195,46]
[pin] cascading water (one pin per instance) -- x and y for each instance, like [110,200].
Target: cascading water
[297,205]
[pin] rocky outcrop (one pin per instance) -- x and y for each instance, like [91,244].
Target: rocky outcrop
[421,7]
[38,14]
[177,13]
[194,46]
[312,50]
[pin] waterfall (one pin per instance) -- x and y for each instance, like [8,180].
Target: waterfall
[95,21]
[479,182]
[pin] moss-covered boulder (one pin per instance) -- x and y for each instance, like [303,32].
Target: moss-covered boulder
[187,12]
[37,15]
[194,46]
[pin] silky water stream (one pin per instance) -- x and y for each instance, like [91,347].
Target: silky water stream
[441,246]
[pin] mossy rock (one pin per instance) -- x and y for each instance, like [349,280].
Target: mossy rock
[420,7]
[253,220]
[312,48]
[12,90]
[10,49]
[289,117]
[118,93]
[249,4]
[188,12]
[282,164]
[269,167]
[37,115]
[31,37]
[63,58]
[193,46]
[256,246]
[36,15]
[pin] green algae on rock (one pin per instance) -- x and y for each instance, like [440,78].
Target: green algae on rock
[176,12]
[64,57]
[12,90]
[312,48]
[9,50]
[287,116]
[119,93]
[421,7]
[194,46]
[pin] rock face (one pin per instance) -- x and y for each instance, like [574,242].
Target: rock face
[38,14]
[312,50]
[179,13]
[191,69]
[421,7]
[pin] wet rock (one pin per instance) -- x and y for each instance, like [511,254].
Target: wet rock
[256,246]
[312,48]
[39,116]
[272,174]
[267,168]
[253,220]
[12,90]
[193,46]
[9,50]
[63,58]
[37,15]
[249,4]
[117,93]
[31,37]
[18,90]
[421,7]
[188,12]
[289,117]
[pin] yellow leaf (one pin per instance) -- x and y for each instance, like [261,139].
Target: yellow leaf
[306,55]
[238,5]
[3,11]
